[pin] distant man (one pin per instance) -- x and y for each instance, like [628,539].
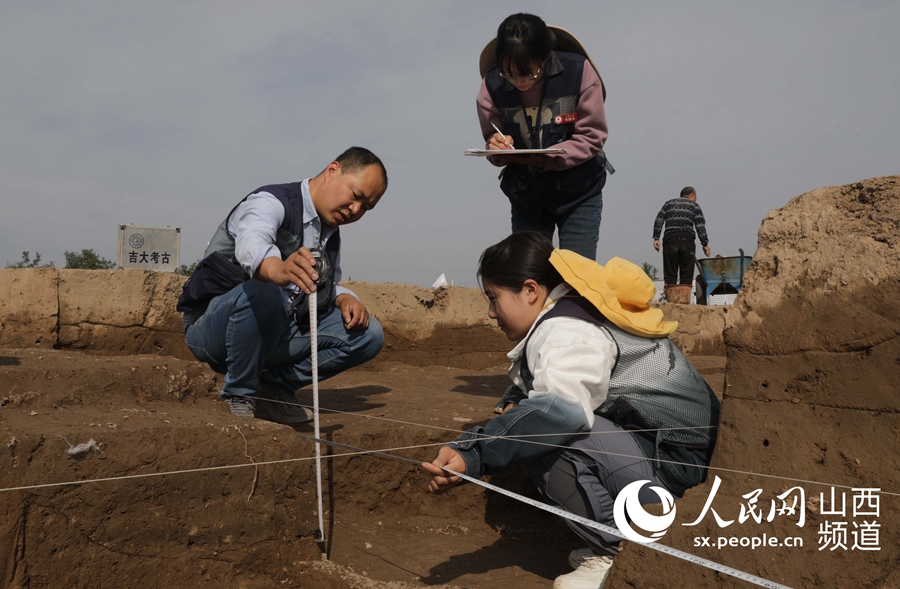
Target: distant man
[246,305]
[680,216]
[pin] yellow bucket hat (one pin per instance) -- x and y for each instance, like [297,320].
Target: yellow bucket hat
[620,290]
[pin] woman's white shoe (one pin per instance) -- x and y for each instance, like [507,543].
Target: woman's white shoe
[590,575]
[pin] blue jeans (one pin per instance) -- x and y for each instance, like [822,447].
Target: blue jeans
[579,229]
[248,330]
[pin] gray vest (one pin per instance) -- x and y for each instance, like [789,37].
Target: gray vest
[652,387]
[288,238]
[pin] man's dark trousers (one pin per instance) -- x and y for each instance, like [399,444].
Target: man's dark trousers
[679,254]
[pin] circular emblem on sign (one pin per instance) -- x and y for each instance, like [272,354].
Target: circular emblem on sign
[136,240]
[557,119]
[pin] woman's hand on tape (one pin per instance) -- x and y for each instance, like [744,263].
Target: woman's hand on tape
[298,269]
[441,481]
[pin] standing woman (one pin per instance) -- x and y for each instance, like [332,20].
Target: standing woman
[542,90]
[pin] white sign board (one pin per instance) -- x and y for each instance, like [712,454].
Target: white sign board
[149,248]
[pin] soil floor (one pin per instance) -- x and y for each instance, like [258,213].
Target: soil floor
[247,526]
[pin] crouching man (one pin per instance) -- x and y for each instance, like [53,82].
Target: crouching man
[246,306]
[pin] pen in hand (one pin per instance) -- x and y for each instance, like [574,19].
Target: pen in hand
[501,134]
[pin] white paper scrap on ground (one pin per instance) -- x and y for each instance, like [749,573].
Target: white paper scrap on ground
[82,448]
[441,281]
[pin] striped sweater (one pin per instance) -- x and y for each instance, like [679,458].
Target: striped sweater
[681,215]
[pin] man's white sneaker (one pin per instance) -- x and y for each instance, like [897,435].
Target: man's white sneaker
[590,575]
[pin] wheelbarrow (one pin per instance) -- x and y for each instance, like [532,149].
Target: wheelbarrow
[720,279]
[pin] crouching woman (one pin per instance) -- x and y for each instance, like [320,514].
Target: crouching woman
[601,397]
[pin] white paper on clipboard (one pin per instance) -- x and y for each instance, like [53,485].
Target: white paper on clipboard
[485,152]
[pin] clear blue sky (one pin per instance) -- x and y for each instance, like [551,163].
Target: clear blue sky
[167,113]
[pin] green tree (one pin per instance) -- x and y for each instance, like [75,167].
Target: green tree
[27,262]
[651,270]
[87,260]
[187,270]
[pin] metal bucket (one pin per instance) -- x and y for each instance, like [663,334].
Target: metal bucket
[722,276]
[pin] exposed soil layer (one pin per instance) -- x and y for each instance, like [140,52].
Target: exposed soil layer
[239,527]
[813,347]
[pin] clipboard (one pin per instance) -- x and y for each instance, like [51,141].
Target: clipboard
[505,152]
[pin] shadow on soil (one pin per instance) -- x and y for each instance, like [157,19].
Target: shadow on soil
[483,386]
[353,399]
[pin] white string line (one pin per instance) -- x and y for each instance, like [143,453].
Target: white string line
[519,438]
[349,454]
[460,431]
[430,445]
[229,466]
[718,468]
[208,468]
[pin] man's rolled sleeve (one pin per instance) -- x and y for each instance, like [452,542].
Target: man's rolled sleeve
[254,225]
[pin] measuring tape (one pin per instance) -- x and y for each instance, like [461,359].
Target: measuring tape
[314,340]
[576,518]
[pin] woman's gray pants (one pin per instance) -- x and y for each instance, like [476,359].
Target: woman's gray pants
[586,478]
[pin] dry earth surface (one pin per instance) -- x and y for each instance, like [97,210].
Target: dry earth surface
[249,527]
[812,365]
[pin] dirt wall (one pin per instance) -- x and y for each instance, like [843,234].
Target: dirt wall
[813,362]
[133,312]
[29,308]
[700,328]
